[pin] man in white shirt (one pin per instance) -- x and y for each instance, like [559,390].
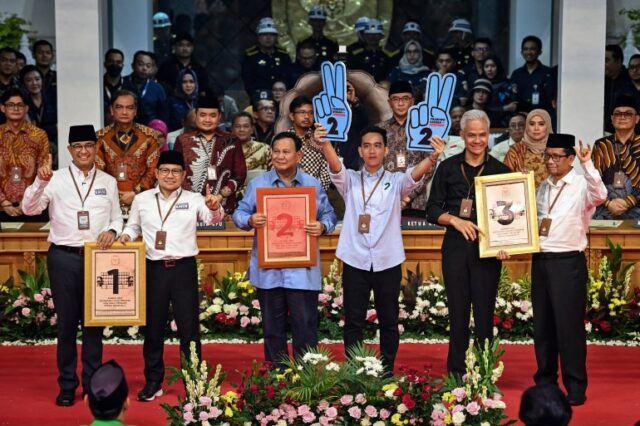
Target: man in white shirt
[166,217]
[83,206]
[370,243]
[566,201]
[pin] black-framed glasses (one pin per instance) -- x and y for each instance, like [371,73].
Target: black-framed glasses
[165,172]
[13,105]
[625,114]
[553,157]
[77,147]
[403,99]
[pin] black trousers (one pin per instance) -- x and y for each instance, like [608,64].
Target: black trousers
[277,306]
[559,298]
[66,274]
[469,281]
[357,285]
[177,284]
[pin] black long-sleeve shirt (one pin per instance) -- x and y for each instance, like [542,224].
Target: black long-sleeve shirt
[450,187]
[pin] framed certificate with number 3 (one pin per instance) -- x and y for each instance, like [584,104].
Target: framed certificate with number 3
[283,242]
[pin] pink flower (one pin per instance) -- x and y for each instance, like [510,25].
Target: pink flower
[203,416]
[38,298]
[457,409]
[459,393]
[50,304]
[372,315]
[473,408]
[323,405]
[331,412]
[255,303]
[525,305]
[18,302]
[188,407]
[206,401]
[323,298]
[329,288]
[346,399]
[400,328]
[174,326]
[324,421]
[40,317]
[244,322]
[309,417]
[488,403]
[303,409]
[53,320]
[384,414]
[46,291]
[337,301]
[360,399]
[355,412]
[402,314]
[371,411]
[215,412]
[233,314]
[26,311]
[244,310]
[255,320]
[188,417]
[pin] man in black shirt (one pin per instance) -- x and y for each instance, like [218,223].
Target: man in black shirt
[182,58]
[325,47]
[533,80]
[468,279]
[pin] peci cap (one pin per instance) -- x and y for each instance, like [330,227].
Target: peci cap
[161,20]
[411,27]
[482,84]
[561,140]
[171,157]
[266,26]
[361,24]
[374,27]
[400,86]
[82,133]
[318,13]
[208,102]
[625,101]
[108,388]
[461,25]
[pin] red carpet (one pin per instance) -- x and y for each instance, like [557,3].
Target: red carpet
[28,381]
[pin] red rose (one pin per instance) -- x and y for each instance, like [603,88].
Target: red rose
[240,404]
[496,320]
[507,324]
[282,384]
[270,391]
[221,317]
[253,388]
[408,402]
[424,396]
[397,392]
[605,326]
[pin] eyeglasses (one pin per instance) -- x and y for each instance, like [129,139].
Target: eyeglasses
[173,172]
[626,114]
[309,113]
[11,105]
[634,67]
[403,99]
[78,147]
[553,157]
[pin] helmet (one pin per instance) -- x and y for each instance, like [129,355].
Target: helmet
[266,26]
[361,24]
[161,20]
[318,13]
[411,27]
[374,27]
[461,25]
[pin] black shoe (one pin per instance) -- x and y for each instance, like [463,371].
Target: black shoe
[150,392]
[65,398]
[576,399]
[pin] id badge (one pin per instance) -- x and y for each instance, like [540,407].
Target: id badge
[122,171]
[83,220]
[545,226]
[16,174]
[535,98]
[465,208]
[212,173]
[401,161]
[364,221]
[161,240]
[618,180]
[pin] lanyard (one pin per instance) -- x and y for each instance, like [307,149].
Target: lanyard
[93,179]
[555,199]
[144,90]
[366,201]
[467,179]
[209,152]
[168,212]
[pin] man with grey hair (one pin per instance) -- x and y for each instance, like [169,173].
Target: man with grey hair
[468,279]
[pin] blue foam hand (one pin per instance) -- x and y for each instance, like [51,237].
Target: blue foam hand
[431,117]
[330,106]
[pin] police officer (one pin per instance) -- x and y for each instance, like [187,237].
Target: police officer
[325,47]
[166,217]
[372,58]
[265,62]
[361,24]
[83,206]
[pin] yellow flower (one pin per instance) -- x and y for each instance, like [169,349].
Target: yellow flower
[447,419]
[390,386]
[449,397]
[295,378]
[230,396]
[228,412]
[396,419]
[280,376]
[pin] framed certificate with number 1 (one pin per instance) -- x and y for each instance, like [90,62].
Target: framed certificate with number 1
[283,242]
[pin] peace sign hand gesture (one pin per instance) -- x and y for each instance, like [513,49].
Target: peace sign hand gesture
[330,106]
[212,201]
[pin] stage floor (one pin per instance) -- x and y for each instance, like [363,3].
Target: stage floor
[28,381]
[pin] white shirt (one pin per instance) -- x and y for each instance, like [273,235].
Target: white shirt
[60,195]
[180,226]
[382,247]
[572,212]
[500,150]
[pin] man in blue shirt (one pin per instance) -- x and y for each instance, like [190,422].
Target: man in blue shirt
[152,99]
[370,243]
[292,291]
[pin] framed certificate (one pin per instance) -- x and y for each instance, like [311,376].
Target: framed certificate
[507,214]
[115,285]
[283,242]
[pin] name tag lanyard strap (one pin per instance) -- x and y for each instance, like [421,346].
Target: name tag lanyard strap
[366,200]
[467,179]
[555,199]
[164,219]
[83,199]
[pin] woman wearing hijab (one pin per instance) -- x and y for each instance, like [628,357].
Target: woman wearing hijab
[410,68]
[502,104]
[526,155]
[183,98]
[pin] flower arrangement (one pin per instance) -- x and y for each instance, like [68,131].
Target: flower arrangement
[316,389]
[513,313]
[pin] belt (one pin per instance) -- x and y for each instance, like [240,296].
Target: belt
[169,263]
[75,250]
[558,255]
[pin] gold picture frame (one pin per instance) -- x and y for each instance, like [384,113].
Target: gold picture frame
[115,285]
[507,214]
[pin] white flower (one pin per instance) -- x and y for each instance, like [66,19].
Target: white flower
[314,358]
[402,409]
[132,331]
[107,332]
[587,327]
[458,418]
[232,295]
[332,366]
[216,309]
[218,301]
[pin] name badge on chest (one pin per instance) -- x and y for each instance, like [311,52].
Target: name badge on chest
[401,161]
[122,171]
[83,220]
[618,180]
[545,227]
[212,173]
[465,208]
[16,174]
[364,222]
[161,240]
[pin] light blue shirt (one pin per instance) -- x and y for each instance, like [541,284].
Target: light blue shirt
[292,278]
[382,247]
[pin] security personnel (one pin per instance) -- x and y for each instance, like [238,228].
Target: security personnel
[265,62]
[412,31]
[166,217]
[361,24]
[83,206]
[325,47]
[372,58]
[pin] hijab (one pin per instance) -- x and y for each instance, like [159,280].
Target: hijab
[537,147]
[404,64]
[178,92]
